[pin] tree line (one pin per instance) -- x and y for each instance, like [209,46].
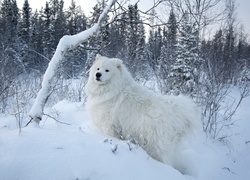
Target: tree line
[174,52]
[171,51]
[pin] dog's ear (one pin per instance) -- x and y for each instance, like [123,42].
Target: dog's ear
[119,64]
[98,57]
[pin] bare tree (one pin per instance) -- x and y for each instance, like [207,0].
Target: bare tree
[230,62]
[66,43]
[203,12]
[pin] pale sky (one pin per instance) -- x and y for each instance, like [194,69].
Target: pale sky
[243,9]
[244,13]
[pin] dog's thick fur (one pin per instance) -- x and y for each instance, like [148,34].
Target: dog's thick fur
[120,107]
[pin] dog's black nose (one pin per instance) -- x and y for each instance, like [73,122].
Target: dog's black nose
[98,75]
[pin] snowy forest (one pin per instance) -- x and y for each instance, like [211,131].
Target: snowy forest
[178,55]
[197,48]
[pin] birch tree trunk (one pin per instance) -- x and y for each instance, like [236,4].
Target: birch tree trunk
[66,43]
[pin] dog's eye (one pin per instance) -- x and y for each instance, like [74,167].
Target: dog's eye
[107,70]
[98,69]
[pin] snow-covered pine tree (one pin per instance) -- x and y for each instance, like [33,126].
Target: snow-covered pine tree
[182,74]
[25,35]
[243,52]
[162,70]
[37,61]
[117,45]
[168,52]
[155,42]
[9,67]
[100,42]
[135,41]
[59,21]
[76,21]
[11,47]
[171,36]
[10,16]
[47,33]
[25,23]
[131,40]
[118,38]
[140,60]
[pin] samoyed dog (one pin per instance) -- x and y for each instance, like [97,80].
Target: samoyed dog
[122,108]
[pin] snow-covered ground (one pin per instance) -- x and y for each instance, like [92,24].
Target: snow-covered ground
[56,151]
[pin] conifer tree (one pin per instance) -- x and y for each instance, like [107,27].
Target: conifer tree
[76,59]
[131,40]
[25,23]
[9,24]
[171,36]
[155,42]
[36,57]
[101,41]
[135,40]
[183,71]
[47,34]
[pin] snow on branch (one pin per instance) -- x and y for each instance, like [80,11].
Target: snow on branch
[66,43]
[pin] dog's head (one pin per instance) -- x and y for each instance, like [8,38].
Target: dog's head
[105,69]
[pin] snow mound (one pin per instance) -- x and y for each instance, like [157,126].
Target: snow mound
[78,151]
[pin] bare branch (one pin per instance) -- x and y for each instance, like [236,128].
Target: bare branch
[65,44]
[56,119]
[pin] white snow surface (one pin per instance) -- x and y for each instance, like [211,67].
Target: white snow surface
[55,151]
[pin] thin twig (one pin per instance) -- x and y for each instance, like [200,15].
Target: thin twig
[56,119]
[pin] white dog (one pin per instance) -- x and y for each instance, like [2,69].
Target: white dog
[120,107]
